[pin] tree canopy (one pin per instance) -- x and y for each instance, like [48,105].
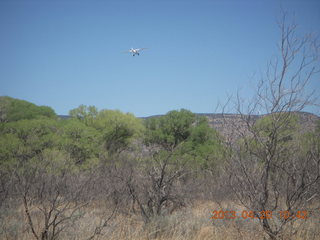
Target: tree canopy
[12,109]
[188,135]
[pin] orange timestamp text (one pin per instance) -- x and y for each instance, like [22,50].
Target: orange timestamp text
[259,214]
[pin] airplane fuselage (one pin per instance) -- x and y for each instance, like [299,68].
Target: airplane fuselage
[134,51]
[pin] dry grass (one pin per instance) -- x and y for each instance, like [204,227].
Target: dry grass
[193,223]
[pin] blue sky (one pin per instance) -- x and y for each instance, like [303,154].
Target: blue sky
[64,53]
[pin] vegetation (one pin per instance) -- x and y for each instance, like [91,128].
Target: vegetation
[152,170]
[13,110]
[275,167]
[104,173]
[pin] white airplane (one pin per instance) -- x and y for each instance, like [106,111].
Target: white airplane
[135,51]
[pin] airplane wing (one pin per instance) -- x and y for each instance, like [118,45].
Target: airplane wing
[139,49]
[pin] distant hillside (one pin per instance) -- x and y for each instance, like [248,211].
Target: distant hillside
[229,125]
[64,116]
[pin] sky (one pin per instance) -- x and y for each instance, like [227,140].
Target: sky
[64,53]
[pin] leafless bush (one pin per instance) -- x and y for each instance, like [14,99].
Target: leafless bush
[53,193]
[271,167]
[51,199]
[152,185]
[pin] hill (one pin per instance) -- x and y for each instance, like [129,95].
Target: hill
[230,125]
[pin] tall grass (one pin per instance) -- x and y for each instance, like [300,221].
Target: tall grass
[193,222]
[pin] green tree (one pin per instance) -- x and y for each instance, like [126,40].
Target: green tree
[169,130]
[12,109]
[25,139]
[4,108]
[188,135]
[204,146]
[79,140]
[84,113]
[117,129]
